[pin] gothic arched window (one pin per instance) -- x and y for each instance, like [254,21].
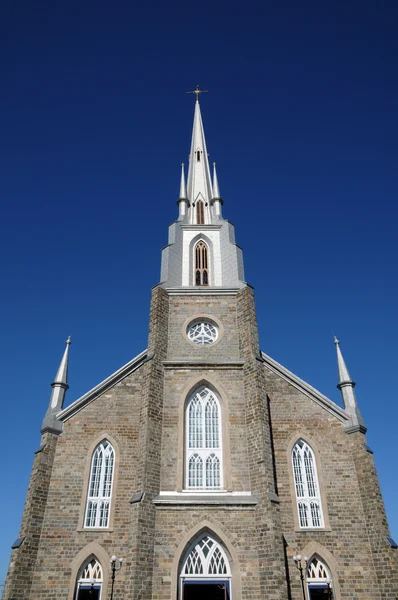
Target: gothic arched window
[319,580]
[100,486]
[203,456]
[198,155]
[89,581]
[201,264]
[200,215]
[306,486]
[206,559]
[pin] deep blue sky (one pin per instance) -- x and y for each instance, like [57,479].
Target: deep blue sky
[301,117]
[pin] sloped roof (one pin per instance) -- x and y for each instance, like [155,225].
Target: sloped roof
[303,387]
[105,385]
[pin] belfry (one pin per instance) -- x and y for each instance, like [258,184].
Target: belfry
[218,474]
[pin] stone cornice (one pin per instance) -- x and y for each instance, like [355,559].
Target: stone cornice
[105,385]
[202,291]
[304,387]
[203,364]
[215,499]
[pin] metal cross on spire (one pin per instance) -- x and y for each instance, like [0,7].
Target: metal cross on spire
[197,91]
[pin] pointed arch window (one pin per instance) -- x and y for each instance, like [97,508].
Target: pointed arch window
[201,264]
[200,214]
[206,559]
[100,486]
[89,581]
[203,441]
[306,485]
[319,580]
[198,155]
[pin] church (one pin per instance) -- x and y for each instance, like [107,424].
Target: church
[203,469]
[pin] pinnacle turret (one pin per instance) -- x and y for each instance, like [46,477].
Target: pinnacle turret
[216,191]
[346,387]
[59,387]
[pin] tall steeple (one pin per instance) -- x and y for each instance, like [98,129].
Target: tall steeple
[346,387]
[199,181]
[201,252]
[59,387]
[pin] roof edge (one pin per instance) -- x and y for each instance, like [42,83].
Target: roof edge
[304,387]
[104,385]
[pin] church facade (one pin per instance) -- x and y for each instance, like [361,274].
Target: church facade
[209,468]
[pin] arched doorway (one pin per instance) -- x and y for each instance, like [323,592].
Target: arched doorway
[89,581]
[205,564]
[319,581]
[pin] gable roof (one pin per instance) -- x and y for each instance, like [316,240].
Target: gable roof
[105,385]
[303,387]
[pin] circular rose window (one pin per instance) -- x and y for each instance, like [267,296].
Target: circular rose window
[202,332]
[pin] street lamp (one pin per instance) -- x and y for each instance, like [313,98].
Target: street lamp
[115,560]
[92,581]
[297,562]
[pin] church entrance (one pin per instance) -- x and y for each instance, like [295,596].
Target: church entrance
[205,573]
[205,590]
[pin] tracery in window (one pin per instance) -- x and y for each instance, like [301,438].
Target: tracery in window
[306,484]
[89,581]
[200,214]
[201,264]
[206,557]
[319,580]
[203,441]
[100,486]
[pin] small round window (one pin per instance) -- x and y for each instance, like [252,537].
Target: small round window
[202,332]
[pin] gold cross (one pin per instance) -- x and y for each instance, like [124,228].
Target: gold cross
[197,91]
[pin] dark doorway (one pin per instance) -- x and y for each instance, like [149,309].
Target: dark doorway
[205,591]
[320,593]
[87,593]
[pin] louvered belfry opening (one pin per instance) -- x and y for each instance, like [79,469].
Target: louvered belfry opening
[200,213]
[201,264]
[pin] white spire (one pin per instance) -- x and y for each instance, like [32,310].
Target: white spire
[183,190]
[346,387]
[216,191]
[344,376]
[59,387]
[62,373]
[199,181]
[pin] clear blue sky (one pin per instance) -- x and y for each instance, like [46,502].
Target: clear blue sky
[301,118]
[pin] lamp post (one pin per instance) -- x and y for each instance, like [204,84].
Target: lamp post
[298,563]
[114,568]
[92,581]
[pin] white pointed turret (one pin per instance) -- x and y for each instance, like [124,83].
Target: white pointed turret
[346,387]
[217,202]
[182,200]
[199,181]
[216,191]
[59,387]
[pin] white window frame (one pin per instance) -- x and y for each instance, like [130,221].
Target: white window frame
[203,442]
[306,486]
[100,487]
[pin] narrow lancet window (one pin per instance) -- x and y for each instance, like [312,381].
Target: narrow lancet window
[306,485]
[201,264]
[200,215]
[203,441]
[198,155]
[100,486]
